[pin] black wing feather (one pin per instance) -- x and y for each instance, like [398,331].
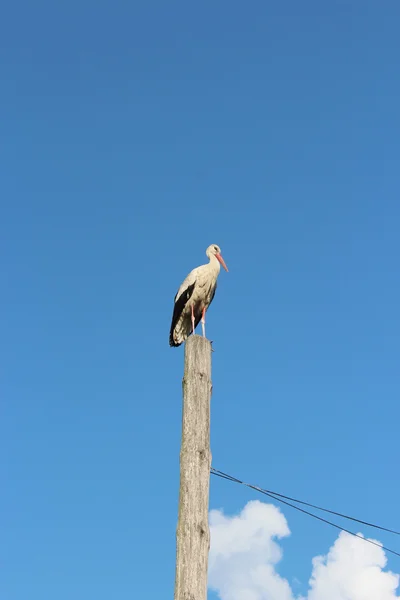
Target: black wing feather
[179,306]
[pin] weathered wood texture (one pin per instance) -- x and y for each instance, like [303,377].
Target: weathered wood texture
[193,534]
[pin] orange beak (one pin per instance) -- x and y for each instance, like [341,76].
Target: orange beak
[221,260]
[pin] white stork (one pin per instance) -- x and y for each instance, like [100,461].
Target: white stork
[194,297]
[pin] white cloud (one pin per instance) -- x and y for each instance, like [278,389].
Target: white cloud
[352,570]
[244,554]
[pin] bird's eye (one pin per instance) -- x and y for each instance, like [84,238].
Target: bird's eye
[216,248]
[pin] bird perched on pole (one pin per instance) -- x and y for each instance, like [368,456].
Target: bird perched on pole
[194,297]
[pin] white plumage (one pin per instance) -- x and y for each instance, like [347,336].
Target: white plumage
[194,297]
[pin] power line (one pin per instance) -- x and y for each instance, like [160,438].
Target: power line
[332,512]
[280,498]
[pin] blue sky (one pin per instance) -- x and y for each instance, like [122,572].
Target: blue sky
[133,136]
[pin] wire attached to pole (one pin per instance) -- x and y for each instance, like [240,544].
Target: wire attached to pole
[284,500]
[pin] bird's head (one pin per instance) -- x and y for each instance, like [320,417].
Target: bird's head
[215,250]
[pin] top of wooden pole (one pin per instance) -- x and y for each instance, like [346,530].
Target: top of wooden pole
[198,354]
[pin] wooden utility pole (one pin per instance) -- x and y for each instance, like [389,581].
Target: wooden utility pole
[193,534]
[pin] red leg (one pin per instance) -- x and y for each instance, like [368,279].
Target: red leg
[192,319]
[203,322]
